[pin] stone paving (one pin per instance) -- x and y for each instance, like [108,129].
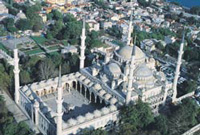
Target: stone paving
[80,103]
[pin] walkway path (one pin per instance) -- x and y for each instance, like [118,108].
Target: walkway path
[14,109]
[18,114]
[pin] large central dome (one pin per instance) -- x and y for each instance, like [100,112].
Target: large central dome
[126,52]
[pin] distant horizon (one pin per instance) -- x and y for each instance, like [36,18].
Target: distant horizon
[187,3]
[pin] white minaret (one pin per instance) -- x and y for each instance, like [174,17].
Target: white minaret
[177,72]
[130,77]
[16,72]
[130,28]
[59,105]
[82,48]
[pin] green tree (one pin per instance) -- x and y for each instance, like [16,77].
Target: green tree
[25,77]
[56,15]
[160,124]
[94,132]
[23,24]
[183,117]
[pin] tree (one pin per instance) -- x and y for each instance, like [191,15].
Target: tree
[134,117]
[145,114]
[57,59]
[56,15]
[160,124]
[25,77]
[46,69]
[94,132]
[9,24]
[144,3]
[23,24]
[183,117]
[69,18]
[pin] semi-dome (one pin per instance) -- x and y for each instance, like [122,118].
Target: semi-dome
[114,69]
[143,72]
[126,53]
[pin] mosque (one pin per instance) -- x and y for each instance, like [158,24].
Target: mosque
[91,97]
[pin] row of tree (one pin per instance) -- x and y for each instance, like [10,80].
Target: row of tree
[139,120]
[68,28]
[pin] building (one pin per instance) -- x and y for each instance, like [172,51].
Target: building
[90,98]
[148,45]
[59,2]
[94,25]
[169,39]
[3,8]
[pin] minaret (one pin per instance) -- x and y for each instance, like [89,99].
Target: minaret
[130,28]
[82,48]
[59,105]
[177,72]
[130,77]
[16,72]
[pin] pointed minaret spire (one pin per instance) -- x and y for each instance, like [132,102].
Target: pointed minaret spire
[59,105]
[16,73]
[130,78]
[130,28]
[82,47]
[178,66]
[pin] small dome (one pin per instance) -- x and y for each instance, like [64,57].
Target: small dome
[105,110]
[80,119]
[113,100]
[107,96]
[126,53]
[97,113]
[72,122]
[113,108]
[143,72]
[34,86]
[97,86]
[89,116]
[102,92]
[21,15]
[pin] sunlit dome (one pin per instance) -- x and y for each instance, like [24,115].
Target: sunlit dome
[21,15]
[126,53]
[143,72]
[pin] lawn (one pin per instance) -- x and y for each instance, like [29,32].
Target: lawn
[54,47]
[34,51]
[39,40]
[2,47]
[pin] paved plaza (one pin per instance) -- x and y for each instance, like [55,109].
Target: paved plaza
[74,98]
